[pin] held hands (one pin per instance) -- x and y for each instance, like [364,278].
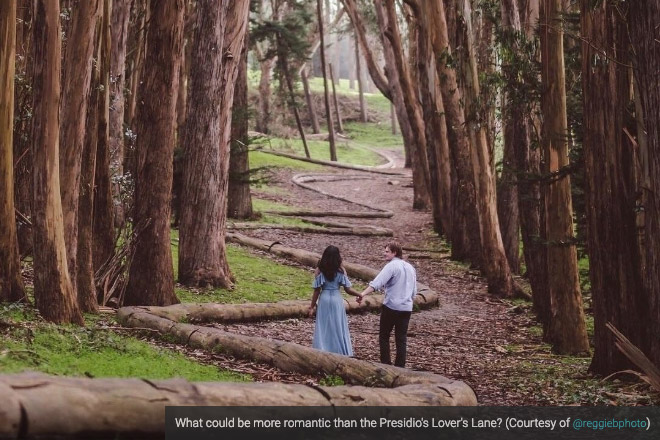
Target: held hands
[365,292]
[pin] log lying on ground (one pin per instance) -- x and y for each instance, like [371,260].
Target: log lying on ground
[359,230]
[311,259]
[40,405]
[302,180]
[339,164]
[288,356]
[302,256]
[310,213]
[210,312]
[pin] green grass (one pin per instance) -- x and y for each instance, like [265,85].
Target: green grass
[261,205]
[27,343]
[258,279]
[259,159]
[373,135]
[268,205]
[347,150]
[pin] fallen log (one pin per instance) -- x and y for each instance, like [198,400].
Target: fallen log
[338,164]
[288,356]
[37,405]
[310,213]
[302,180]
[211,312]
[311,259]
[361,231]
[302,256]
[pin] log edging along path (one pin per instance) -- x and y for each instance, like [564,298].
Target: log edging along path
[377,169]
[209,312]
[359,230]
[302,180]
[289,356]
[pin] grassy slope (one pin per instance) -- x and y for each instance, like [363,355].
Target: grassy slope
[27,343]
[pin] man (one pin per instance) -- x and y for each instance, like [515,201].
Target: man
[399,279]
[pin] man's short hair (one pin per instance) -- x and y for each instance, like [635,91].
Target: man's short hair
[395,247]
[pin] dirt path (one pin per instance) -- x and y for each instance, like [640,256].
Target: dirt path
[471,336]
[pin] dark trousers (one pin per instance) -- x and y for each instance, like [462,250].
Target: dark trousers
[399,321]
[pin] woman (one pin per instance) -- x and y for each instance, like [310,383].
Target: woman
[331,328]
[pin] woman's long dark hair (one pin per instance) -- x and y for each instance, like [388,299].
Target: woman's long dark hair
[330,262]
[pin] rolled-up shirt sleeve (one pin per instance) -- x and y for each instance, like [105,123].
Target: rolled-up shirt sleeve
[382,278]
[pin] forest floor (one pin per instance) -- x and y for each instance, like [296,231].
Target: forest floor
[493,345]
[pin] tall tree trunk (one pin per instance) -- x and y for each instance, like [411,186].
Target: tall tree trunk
[388,86]
[151,279]
[530,200]
[53,292]
[23,126]
[104,213]
[465,237]
[73,112]
[328,113]
[644,19]
[514,134]
[394,83]
[121,13]
[494,263]
[377,76]
[568,333]
[360,83]
[614,265]
[86,292]
[340,125]
[202,249]
[352,72]
[263,109]
[436,125]
[137,40]
[395,61]
[11,284]
[284,68]
[485,59]
[311,108]
[239,199]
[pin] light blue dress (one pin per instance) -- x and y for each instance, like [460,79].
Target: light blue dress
[331,328]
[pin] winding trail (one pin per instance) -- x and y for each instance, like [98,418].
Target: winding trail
[471,337]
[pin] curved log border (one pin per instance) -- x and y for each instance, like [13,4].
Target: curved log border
[302,180]
[378,169]
[359,230]
[208,312]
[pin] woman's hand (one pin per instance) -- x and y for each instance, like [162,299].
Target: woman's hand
[311,310]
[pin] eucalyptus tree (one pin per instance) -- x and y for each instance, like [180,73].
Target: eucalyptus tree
[73,111]
[644,19]
[567,330]
[53,292]
[216,53]
[151,279]
[11,284]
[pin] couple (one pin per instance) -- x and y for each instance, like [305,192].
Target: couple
[398,278]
